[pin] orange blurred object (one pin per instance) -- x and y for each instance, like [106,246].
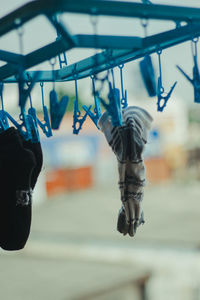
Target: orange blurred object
[63,180]
[157,170]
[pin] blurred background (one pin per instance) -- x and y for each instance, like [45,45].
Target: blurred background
[74,250]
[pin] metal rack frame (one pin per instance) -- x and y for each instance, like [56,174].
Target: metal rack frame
[116,49]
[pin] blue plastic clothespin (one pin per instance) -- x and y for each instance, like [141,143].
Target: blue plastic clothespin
[32,118]
[23,128]
[24,93]
[161,95]
[97,109]
[148,75]
[45,124]
[26,126]
[163,99]
[57,109]
[124,102]
[3,118]
[114,106]
[78,120]
[195,81]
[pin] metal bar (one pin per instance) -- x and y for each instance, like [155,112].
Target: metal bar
[127,9]
[61,29]
[97,7]
[146,2]
[108,59]
[58,47]
[35,57]
[21,16]
[108,41]
[11,57]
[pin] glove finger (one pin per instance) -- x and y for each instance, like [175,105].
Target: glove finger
[131,229]
[137,210]
[127,211]
[122,225]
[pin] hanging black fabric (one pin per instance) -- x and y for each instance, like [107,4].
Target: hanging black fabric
[20,164]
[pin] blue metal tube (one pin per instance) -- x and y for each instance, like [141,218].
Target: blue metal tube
[96,7]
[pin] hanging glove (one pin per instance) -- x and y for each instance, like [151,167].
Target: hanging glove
[16,165]
[127,142]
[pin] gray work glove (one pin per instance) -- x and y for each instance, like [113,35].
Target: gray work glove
[127,142]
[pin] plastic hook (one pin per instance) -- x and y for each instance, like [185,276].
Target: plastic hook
[45,124]
[61,56]
[162,97]
[195,81]
[146,67]
[3,118]
[114,106]
[24,128]
[97,109]
[78,120]
[32,119]
[57,108]
[124,102]
[148,75]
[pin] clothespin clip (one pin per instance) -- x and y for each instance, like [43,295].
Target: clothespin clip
[24,93]
[146,66]
[148,75]
[26,122]
[32,118]
[45,124]
[124,102]
[3,118]
[113,107]
[162,96]
[57,109]
[26,134]
[195,81]
[23,128]
[97,109]
[78,120]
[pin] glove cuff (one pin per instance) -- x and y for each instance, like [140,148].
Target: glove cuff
[106,126]
[141,116]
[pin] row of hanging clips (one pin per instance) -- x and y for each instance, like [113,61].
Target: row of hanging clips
[148,75]
[29,123]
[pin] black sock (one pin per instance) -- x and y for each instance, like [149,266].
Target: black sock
[37,151]
[16,166]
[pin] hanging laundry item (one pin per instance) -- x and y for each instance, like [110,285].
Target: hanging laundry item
[36,149]
[21,163]
[128,142]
